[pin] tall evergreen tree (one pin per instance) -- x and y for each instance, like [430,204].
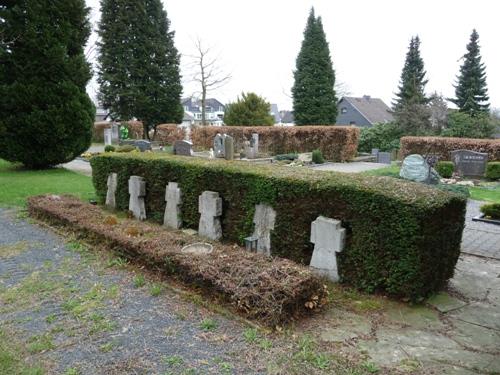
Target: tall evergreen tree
[314,99]
[139,73]
[46,114]
[411,89]
[471,92]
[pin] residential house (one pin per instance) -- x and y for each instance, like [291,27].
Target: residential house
[214,111]
[286,117]
[364,112]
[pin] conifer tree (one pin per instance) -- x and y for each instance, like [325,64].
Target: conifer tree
[314,99]
[471,92]
[411,89]
[139,72]
[46,114]
[250,110]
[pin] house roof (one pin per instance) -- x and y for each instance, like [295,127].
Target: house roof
[373,109]
[194,105]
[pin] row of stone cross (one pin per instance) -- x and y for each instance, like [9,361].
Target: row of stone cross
[327,234]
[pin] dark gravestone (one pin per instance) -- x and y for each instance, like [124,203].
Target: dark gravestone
[469,163]
[143,145]
[384,157]
[184,148]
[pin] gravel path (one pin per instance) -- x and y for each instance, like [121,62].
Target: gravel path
[77,312]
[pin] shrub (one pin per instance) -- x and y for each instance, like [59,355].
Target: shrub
[317,157]
[251,109]
[385,137]
[463,125]
[125,148]
[337,143]
[445,168]
[109,148]
[491,210]
[271,290]
[493,170]
[442,146]
[402,237]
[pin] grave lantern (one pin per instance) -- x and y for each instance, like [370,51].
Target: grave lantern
[251,243]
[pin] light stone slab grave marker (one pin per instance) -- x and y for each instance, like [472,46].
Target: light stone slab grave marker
[173,197]
[210,208]
[328,237]
[264,219]
[115,134]
[254,143]
[108,136]
[111,193]
[228,147]
[137,191]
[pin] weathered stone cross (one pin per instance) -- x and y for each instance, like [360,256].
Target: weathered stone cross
[173,197]
[210,208]
[137,191]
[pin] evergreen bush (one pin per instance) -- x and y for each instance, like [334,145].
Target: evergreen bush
[445,168]
[493,170]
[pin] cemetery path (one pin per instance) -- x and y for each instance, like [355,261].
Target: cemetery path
[479,238]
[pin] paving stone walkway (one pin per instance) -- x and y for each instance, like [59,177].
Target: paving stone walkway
[479,238]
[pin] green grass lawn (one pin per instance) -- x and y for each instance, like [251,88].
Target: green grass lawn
[489,191]
[16,183]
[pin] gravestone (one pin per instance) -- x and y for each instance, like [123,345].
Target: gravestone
[249,150]
[111,193]
[219,148]
[115,133]
[384,157]
[143,145]
[414,168]
[228,147]
[210,208]
[328,238]
[264,219]
[184,148]
[137,191]
[107,137]
[254,143]
[469,163]
[375,152]
[173,197]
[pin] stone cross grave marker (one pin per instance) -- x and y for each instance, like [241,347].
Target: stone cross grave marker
[469,163]
[111,193]
[264,219]
[184,148]
[228,147]
[173,197]
[137,191]
[219,148]
[210,208]
[107,137]
[328,237]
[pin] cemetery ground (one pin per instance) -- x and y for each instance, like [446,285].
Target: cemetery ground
[70,308]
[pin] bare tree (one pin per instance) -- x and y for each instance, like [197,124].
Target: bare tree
[208,73]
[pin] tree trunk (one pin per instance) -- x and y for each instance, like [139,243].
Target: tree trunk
[203,106]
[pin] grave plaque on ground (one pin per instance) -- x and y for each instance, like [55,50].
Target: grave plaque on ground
[137,191]
[469,163]
[107,137]
[111,193]
[173,197]
[210,208]
[328,237]
[264,219]
[228,147]
[384,157]
[143,145]
[219,148]
[184,148]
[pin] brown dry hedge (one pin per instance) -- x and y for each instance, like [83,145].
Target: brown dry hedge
[442,146]
[402,238]
[337,143]
[271,290]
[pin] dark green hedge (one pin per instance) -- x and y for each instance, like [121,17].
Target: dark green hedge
[402,237]
[445,168]
[493,170]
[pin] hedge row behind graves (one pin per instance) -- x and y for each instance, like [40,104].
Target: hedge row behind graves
[401,237]
[442,146]
[337,143]
[272,291]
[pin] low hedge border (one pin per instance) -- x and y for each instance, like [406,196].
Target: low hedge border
[442,146]
[337,143]
[493,170]
[401,237]
[271,290]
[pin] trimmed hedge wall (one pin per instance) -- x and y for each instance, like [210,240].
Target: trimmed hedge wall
[442,146]
[337,143]
[169,133]
[402,237]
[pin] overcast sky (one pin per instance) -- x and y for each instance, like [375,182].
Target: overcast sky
[257,41]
